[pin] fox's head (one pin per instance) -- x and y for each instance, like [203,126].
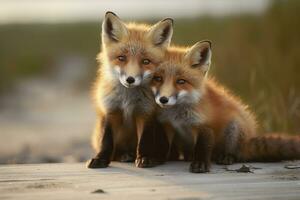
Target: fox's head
[179,79]
[132,51]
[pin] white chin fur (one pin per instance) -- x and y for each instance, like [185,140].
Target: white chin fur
[182,94]
[172,101]
[195,96]
[188,97]
[137,81]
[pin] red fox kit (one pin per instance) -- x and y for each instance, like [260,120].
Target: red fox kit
[219,124]
[124,101]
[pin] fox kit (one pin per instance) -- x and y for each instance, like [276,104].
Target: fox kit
[218,124]
[124,101]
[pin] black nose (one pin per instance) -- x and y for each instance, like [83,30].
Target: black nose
[130,80]
[163,100]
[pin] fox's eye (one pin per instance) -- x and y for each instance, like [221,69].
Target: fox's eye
[181,81]
[146,61]
[157,78]
[122,58]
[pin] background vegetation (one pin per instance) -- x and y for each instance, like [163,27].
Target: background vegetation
[257,57]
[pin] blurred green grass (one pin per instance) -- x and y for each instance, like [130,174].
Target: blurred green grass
[257,57]
[29,50]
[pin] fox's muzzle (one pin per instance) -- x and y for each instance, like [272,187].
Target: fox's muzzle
[131,80]
[164,101]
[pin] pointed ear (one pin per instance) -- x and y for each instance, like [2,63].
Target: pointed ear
[113,29]
[161,33]
[199,55]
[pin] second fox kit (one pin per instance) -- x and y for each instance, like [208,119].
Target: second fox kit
[124,101]
[219,124]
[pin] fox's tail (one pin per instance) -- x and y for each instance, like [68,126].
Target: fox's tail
[272,147]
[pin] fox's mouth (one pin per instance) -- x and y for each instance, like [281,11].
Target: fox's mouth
[165,105]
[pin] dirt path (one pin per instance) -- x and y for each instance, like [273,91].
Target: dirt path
[170,181]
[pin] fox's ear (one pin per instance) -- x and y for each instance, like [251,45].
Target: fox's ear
[161,32]
[113,29]
[199,55]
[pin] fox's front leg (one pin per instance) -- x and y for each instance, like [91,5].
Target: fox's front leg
[104,143]
[232,144]
[145,145]
[204,141]
[164,148]
[169,132]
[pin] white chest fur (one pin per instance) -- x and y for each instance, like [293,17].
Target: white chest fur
[181,116]
[138,100]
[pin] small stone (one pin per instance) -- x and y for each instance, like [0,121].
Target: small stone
[98,191]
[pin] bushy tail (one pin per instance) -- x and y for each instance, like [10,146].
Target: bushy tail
[272,147]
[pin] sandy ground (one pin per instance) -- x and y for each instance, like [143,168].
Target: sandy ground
[171,181]
[48,119]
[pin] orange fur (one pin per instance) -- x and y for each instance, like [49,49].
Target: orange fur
[103,85]
[217,108]
[127,50]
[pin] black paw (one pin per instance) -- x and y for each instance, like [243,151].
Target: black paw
[144,162]
[127,158]
[199,167]
[225,160]
[97,163]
